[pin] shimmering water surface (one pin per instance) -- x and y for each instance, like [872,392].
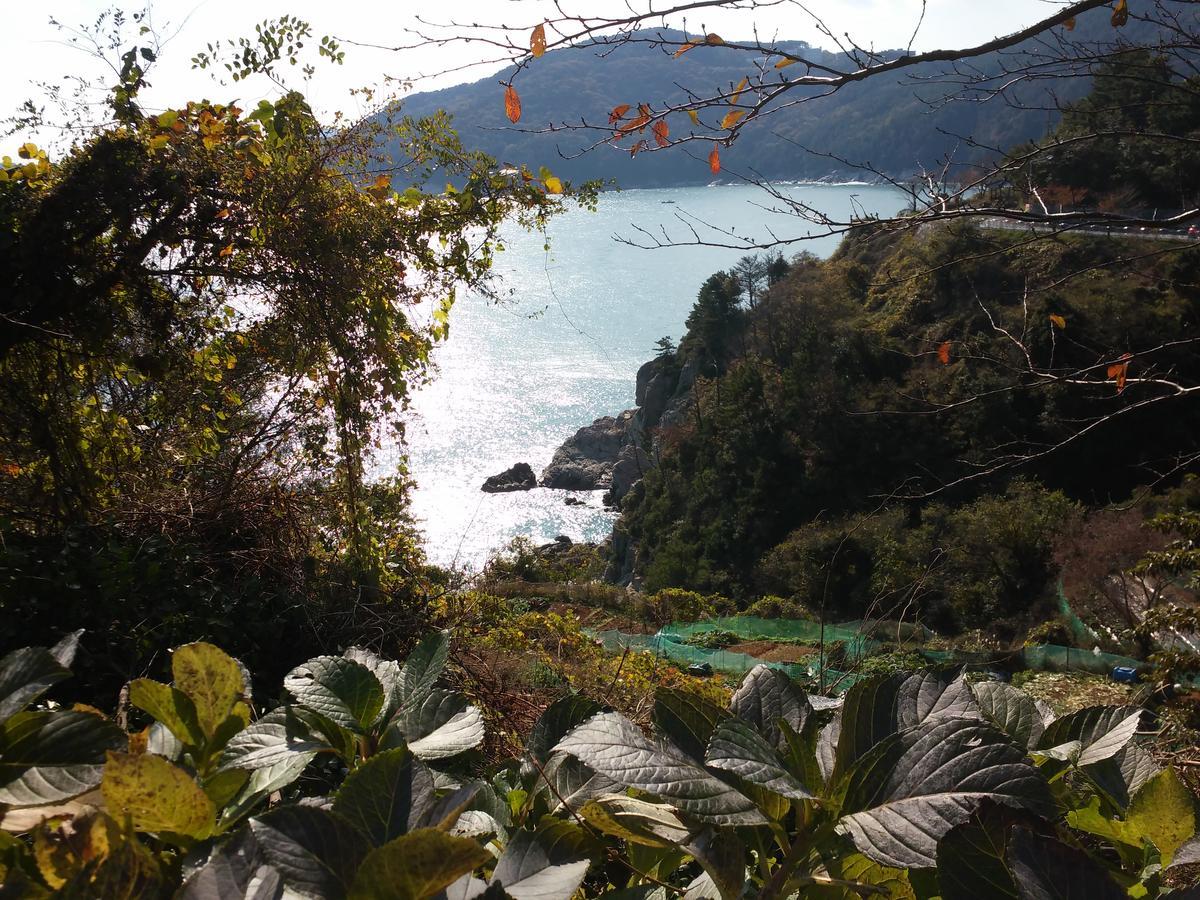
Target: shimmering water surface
[516,379]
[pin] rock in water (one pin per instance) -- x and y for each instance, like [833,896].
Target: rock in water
[585,461]
[519,478]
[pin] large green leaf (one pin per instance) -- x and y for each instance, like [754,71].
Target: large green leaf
[686,720]
[569,781]
[1047,869]
[50,756]
[544,864]
[421,670]
[723,857]
[315,851]
[211,679]
[1162,812]
[235,869]
[343,691]
[388,673]
[634,820]
[972,858]
[442,724]
[1121,776]
[25,675]
[915,786]
[417,865]
[278,737]
[767,696]
[552,725]
[736,747]
[1011,710]
[170,706]
[157,795]
[615,747]
[876,709]
[1090,735]
[386,796]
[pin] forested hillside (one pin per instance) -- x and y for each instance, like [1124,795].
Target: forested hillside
[895,124]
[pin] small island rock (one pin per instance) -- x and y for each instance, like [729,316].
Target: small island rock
[519,478]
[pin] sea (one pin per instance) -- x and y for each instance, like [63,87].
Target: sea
[582,307]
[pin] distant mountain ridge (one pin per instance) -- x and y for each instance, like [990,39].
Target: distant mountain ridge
[887,122]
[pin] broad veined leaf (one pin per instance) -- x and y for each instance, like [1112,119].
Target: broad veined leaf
[878,708]
[736,747]
[1047,869]
[445,811]
[25,675]
[388,673]
[443,724]
[686,720]
[916,785]
[211,679]
[861,870]
[386,796]
[1090,735]
[129,870]
[416,865]
[1011,710]
[1188,854]
[723,857]
[1121,776]
[170,706]
[543,864]
[1162,812]
[157,795]
[569,781]
[615,747]
[555,721]
[423,667]
[766,696]
[343,691]
[50,756]
[973,857]
[64,651]
[315,851]
[512,104]
[662,133]
[234,869]
[638,821]
[276,738]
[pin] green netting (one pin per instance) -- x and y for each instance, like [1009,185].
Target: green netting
[1051,658]
[857,644]
[1079,629]
[727,662]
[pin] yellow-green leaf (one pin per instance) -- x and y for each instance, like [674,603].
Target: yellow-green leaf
[63,850]
[553,185]
[211,679]
[737,91]
[418,864]
[158,796]
[694,116]
[1163,812]
[168,705]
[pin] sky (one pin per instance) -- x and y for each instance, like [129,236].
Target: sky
[33,50]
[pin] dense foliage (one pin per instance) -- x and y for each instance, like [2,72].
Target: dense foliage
[212,317]
[364,783]
[839,458]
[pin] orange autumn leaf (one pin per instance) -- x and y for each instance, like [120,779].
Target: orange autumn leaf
[682,50]
[661,133]
[1069,24]
[737,92]
[731,118]
[633,151]
[1119,371]
[618,113]
[537,41]
[1058,321]
[943,353]
[784,63]
[1120,14]
[226,251]
[12,470]
[714,160]
[512,104]
[714,40]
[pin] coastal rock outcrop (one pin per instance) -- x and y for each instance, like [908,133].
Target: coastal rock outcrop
[518,478]
[585,461]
